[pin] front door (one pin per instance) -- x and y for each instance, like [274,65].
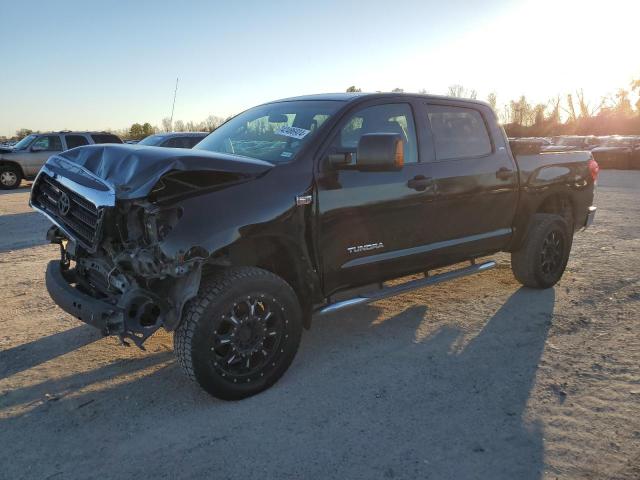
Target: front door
[368,222]
[39,152]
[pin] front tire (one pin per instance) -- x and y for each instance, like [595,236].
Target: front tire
[542,259]
[240,333]
[10,177]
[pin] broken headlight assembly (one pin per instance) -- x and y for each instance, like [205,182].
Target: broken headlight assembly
[159,223]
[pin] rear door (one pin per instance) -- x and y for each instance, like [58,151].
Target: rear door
[370,222]
[75,140]
[476,179]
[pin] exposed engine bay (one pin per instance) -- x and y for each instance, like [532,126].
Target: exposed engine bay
[129,270]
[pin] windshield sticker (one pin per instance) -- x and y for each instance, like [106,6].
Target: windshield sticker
[293,132]
[286,154]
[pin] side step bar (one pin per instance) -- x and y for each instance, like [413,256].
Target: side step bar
[406,287]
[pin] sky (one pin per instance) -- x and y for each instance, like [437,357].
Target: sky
[105,65]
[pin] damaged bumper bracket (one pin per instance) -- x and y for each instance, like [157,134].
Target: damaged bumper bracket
[108,318]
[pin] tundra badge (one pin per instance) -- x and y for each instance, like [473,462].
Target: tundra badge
[365,248]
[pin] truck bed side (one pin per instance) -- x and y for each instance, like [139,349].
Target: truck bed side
[550,183]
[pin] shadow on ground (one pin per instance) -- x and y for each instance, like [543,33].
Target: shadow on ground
[28,355]
[24,187]
[22,230]
[364,399]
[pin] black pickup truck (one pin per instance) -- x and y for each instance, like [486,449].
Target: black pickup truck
[299,207]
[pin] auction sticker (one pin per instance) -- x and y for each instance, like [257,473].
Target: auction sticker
[293,132]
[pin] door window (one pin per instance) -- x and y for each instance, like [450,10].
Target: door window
[180,142]
[458,132]
[389,118]
[49,143]
[74,141]
[105,138]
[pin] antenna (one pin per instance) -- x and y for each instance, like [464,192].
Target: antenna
[175,92]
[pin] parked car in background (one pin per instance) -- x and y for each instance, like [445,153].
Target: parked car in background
[26,157]
[174,139]
[543,142]
[616,152]
[572,143]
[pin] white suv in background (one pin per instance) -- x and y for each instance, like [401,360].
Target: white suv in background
[26,157]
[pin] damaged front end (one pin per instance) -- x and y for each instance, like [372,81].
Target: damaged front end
[113,272]
[123,283]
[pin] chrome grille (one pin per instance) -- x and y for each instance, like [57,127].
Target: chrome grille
[82,218]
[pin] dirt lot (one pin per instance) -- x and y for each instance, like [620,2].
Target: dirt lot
[476,379]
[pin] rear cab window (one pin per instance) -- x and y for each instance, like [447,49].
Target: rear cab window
[181,142]
[105,138]
[458,132]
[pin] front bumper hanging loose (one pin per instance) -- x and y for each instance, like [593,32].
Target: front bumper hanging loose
[106,317]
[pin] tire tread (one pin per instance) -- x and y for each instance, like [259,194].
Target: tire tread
[211,288]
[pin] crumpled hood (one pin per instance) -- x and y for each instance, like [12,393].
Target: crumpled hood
[133,170]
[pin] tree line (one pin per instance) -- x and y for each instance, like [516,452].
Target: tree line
[569,114]
[138,131]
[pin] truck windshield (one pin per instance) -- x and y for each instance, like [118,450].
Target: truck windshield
[274,132]
[25,142]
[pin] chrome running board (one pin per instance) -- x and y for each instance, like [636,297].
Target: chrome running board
[386,292]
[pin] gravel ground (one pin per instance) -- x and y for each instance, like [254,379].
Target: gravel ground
[475,379]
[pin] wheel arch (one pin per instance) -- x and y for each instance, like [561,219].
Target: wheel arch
[553,202]
[279,256]
[559,204]
[11,163]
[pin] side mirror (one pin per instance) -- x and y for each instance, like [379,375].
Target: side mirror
[380,152]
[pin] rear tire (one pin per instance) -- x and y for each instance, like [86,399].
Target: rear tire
[542,259]
[10,177]
[240,333]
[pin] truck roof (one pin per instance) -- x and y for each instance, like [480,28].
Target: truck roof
[353,96]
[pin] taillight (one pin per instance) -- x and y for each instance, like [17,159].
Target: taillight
[594,169]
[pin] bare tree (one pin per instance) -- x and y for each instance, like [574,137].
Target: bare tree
[554,110]
[492,99]
[166,124]
[538,113]
[635,85]
[623,104]
[456,90]
[571,109]
[398,90]
[459,91]
[521,112]
[583,106]
[212,122]
[353,89]
[179,126]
